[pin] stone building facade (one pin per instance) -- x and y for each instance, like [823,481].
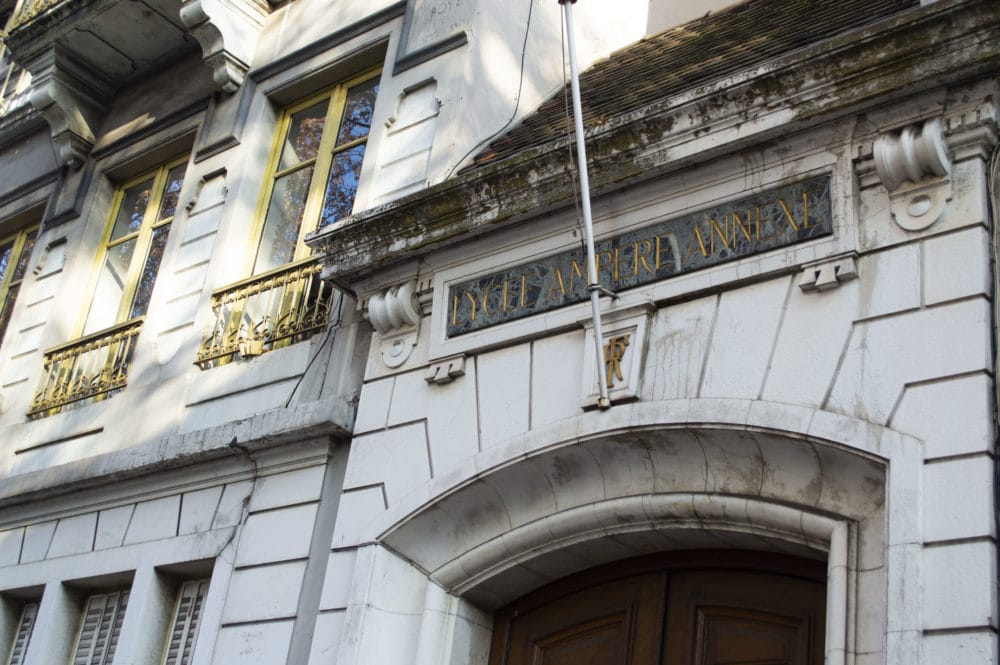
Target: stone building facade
[297,364]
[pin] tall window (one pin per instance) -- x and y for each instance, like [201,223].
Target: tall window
[133,247]
[22,638]
[314,169]
[15,252]
[186,622]
[99,630]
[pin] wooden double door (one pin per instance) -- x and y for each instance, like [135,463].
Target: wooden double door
[695,608]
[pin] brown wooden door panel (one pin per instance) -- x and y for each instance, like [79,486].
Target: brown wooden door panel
[614,623]
[733,617]
[603,641]
[707,608]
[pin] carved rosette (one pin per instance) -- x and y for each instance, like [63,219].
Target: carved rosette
[914,165]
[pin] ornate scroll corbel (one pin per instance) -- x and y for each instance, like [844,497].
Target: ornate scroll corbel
[71,99]
[914,164]
[227,31]
[395,314]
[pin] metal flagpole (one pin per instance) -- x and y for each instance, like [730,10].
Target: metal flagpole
[594,284]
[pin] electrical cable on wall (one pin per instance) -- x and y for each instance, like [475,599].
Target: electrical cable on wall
[517,99]
[331,335]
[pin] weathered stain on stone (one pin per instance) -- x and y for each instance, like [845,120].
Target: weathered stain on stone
[816,84]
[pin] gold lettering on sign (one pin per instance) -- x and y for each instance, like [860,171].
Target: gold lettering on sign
[614,350]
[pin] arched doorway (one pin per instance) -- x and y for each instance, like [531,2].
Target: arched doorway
[682,608]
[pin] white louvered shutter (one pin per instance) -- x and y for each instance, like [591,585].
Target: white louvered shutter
[24,628]
[102,624]
[184,629]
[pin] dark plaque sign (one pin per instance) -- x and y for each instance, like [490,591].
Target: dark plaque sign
[776,218]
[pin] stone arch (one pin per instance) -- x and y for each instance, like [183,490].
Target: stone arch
[651,477]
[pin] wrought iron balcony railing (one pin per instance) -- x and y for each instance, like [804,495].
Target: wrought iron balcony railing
[265,312]
[29,9]
[92,368]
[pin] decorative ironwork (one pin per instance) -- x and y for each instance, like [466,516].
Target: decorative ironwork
[93,367]
[265,312]
[29,9]
[14,81]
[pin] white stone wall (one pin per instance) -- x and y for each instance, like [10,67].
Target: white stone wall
[893,366]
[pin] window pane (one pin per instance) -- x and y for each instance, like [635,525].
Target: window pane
[133,207]
[305,131]
[284,218]
[6,308]
[22,260]
[342,185]
[110,286]
[5,254]
[172,189]
[144,289]
[357,120]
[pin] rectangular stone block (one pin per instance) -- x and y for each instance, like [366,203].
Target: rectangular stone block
[154,519]
[956,265]
[959,586]
[745,330]
[231,505]
[504,378]
[264,593]
[979,648]
[285,489]
[396,458]
[73,535]
[556,377]
[958,499]
[198,509]
[254,644]
[111,526]
[450,410]
[36,541]
[886,354]
[337,583]
[373,407]
[10,546]
[276,535]
[678,338]
[326,638]
[888,281]
[961,428]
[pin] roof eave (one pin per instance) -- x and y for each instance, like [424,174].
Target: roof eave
[944,43]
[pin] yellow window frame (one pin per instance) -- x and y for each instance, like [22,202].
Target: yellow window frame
[322,163]
[18,240]
[143,236]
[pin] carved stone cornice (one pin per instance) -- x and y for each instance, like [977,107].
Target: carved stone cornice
[913,52]
[71,97]
[227,31]
[973,133]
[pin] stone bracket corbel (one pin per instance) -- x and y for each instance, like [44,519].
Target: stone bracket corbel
[70,96]
[227,31]
[914,165]
[446,371]
[395,313]
[828,273]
